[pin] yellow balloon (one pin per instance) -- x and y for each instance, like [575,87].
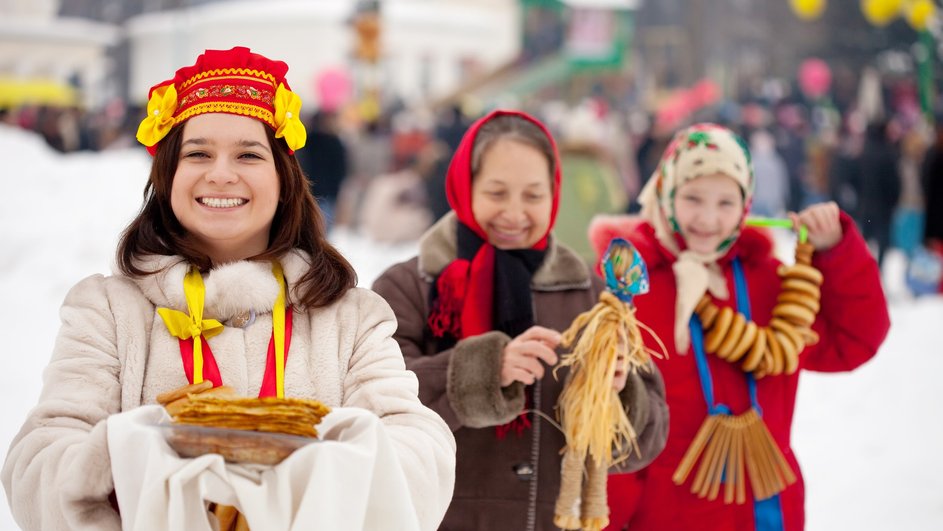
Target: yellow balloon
[920,12]
[808,9]
[880,12]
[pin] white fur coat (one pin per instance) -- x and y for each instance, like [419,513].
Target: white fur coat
[113,353]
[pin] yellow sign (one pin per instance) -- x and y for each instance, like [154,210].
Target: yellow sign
[20,92]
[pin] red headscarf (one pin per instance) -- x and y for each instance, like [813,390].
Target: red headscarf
[466,287]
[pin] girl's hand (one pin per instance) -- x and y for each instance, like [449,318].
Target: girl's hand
[524,354]
[822,221]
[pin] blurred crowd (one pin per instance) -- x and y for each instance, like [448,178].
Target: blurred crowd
[68,129]
[384,176]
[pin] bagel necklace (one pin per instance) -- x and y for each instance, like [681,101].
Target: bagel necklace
[771,350]
[739,447]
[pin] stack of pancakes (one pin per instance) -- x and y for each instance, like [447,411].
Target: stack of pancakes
[291,416]
[244,422]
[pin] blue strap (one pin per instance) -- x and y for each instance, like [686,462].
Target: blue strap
[742,296]
[767,513]
[743,306]
[703,371]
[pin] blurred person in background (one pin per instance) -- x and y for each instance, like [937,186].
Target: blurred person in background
[593,183]
[932,181]
[908,220]
[772,177]
[395,208]
[325,162]
[844,174]
[370,155]
[789,130]
[926,272]
[652,142]
[880,187]
[448,134]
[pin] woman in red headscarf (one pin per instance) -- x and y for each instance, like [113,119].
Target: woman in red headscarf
[480,310]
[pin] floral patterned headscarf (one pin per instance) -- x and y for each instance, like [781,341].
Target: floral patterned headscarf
[699,150]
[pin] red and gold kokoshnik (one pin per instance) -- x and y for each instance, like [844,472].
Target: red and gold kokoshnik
[222,91]
[235,81]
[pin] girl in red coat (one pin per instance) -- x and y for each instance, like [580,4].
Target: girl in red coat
[693,239]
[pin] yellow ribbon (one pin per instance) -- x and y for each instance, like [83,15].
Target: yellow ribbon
[278,331]
[160,116]
[288,118]
[193,325]
[185,326]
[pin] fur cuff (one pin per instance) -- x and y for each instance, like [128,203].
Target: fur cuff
[634,398]
[474,382]
[644,398]
[88,482]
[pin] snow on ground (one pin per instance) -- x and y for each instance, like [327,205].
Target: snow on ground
[868,441]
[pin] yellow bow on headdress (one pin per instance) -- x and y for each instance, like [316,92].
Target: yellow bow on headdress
[288,118]
[185,326]
[160,116]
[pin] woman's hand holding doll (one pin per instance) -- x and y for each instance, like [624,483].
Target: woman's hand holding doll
[523,355]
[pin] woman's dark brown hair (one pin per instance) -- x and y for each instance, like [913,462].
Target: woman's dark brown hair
[298,224]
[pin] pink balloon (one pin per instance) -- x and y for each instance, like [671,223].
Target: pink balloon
[334,88]
[815,78]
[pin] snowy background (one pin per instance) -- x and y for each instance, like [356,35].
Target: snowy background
[869,442]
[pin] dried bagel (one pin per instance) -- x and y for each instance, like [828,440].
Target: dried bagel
[755,356]
[800,298]
[746,341]
[801,272]
[726,346]
[804,286]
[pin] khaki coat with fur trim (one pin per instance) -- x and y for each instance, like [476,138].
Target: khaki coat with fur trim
[113,354]
[510,483]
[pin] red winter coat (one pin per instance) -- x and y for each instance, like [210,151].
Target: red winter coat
[852,323]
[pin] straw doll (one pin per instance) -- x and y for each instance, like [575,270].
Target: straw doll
[606,345]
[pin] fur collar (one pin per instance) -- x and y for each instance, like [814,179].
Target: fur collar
[562,269]
[231,288]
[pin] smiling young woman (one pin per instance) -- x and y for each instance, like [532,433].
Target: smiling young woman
[225,276]
[225,190]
